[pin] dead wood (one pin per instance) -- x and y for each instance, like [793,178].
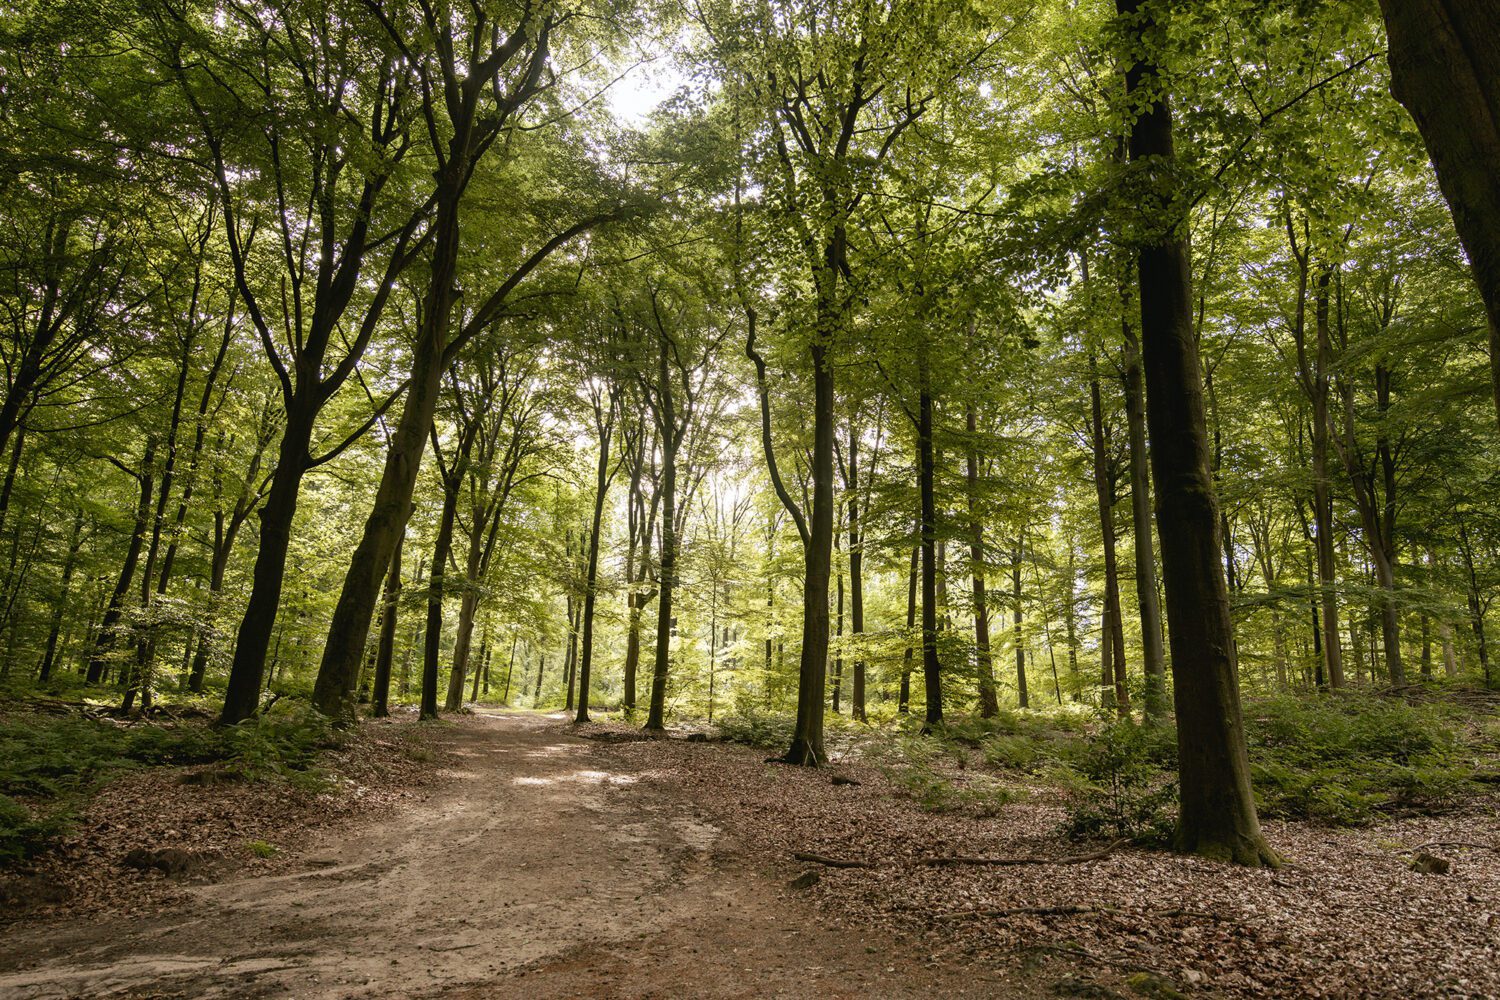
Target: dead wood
[1067,859]
[819,859]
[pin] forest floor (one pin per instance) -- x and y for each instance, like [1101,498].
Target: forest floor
[541,860]
[539,864]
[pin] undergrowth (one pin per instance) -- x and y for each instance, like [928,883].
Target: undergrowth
[48,763]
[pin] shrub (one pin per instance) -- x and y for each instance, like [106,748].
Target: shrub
[22,833]
[1345,760]
[756,727]
[1120,784]
[913,765]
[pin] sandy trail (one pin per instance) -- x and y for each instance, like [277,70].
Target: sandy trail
[540,870]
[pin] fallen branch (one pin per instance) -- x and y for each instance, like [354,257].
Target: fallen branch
[1065,910]
[1091,957]
[1068,859]
[819,859]
[1455,843]
[1073,909]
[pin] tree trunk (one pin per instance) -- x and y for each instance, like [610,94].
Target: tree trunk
[903,701]
[386,652]
[105,640]
[856,583]
[247,672]
[666,584]
[1020,643]
[1153,656]
[926,466]
[1218,817]
[807,738]
[1113,691]
[989,704]
[433,638]
[1333,652]
[70,561]
[591,575]
[1445,68]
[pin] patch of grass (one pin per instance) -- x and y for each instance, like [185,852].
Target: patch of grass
[262,848]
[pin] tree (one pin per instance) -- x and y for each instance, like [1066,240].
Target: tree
[1218,817]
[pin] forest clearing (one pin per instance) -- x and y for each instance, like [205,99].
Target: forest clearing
[749,498]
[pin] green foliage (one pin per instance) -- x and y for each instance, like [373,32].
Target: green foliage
[24,833]
[755,727]
[262,848]
[1120,785]
[1343,761]
[918,767]
[51,761]
[1346,760]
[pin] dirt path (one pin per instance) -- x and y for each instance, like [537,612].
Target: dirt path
[541,869]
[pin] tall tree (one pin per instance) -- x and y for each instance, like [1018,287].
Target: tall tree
[1218,817]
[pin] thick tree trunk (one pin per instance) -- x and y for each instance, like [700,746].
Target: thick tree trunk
[1218,817]
[807,738]
[350,629]
[253,640]
[1445,68]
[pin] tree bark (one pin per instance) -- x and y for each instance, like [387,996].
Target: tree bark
[666,585]
[1218,817]
[856,581]
[433,635]
[1113,690]
[1153,655]
[932,681]
[989,704]
[591,571]
[104,642]
[1445,69]
[386,652]
[70,561]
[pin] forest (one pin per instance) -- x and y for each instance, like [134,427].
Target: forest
[1017,408]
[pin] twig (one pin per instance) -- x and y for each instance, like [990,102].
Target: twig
[819,859]
[1070,859]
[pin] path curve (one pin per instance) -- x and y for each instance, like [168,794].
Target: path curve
[540,869]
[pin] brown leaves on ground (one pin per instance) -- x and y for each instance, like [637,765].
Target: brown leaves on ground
[1348,916]
[224,826]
